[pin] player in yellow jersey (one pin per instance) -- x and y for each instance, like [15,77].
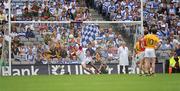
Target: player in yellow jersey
[152,43]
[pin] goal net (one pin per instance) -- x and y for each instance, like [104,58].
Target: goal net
[53,42]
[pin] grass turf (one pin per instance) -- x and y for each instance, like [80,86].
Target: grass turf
[160,82]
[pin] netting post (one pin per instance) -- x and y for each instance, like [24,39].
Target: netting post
[142,29]
[9,26]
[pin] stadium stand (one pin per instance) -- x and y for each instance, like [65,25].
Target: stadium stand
[119,10]
[54,10]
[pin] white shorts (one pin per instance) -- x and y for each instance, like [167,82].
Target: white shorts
[139,56]
[150,52]
[87,60]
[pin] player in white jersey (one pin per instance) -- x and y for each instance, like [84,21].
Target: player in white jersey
[86,61]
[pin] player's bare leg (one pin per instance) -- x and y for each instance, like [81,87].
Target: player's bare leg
[142,66]
[153,61]
[87,69]
[96,69]
[147,66]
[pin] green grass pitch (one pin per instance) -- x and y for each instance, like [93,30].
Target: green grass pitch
[159,82]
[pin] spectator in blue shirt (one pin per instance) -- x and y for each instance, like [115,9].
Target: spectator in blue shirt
[29,33]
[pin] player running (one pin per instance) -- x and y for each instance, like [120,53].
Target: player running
[152,43]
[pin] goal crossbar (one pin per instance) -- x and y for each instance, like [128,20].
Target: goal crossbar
[109,22]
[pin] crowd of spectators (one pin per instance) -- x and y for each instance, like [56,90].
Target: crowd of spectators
[53,10]
[119,10]
[57,43]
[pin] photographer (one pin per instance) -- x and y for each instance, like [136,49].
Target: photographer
[174,64]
